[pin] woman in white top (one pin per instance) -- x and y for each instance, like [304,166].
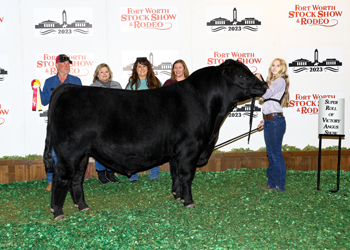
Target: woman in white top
[274,124]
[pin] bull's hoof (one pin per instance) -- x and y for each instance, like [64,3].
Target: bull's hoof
[76,205]
[174,193]
[183,201]
[85,209]
[191,205]
[51,210]
[178,199]
[61,217]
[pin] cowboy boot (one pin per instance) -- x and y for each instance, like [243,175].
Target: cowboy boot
[111,177]
[102,177]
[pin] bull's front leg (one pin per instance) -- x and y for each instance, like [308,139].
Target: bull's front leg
[187,176]
[187,170]
[176,187]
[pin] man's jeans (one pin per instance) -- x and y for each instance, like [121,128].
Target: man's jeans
[153,174]
[49,175]
[100,167]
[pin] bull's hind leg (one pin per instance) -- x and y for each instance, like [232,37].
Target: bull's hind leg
[62,178]
[76,186]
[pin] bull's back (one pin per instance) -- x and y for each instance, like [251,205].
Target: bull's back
[157,119]
[123,115]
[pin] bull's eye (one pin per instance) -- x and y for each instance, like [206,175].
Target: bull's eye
[241,76]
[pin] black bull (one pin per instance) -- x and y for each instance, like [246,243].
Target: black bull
[132,131]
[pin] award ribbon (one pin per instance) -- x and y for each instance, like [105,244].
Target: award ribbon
[36,103]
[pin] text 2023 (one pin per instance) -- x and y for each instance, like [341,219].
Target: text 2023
[64,31]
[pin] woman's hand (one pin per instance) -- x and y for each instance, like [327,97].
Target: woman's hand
[261,126]
[258,75]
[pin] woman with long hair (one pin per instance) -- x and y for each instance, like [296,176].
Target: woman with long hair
[274,123]
[143,77]
[179,72]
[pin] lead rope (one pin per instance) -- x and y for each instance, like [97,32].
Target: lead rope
[252,106]
[242,135]
[234,139]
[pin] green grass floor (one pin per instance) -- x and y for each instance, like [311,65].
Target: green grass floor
[232,212]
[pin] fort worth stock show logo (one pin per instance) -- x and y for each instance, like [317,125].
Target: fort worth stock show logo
[2,22]
[243,20]
[148,18]
[3,74]
[82,65]
[306,104]
[4,113]
[253,60]
[315,15]
[161,61]
[3,67]
[61,24]
[328,64]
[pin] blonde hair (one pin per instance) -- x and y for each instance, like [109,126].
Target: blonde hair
[186,72]
[282,73]
[98,68]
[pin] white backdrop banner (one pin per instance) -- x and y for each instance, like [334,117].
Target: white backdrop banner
[312,37]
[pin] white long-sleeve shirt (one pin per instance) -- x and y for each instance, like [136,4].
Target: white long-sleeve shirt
[275,91]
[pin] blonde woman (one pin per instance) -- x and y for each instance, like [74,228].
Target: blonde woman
[274,124]
[103,77]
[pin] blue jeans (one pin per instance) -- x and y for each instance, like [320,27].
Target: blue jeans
[273,132]
[49,175]
[100,167]
[153,174]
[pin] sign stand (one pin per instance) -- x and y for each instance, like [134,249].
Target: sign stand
[319,163]
[330,123]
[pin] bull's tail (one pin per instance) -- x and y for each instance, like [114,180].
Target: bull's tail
[48,158]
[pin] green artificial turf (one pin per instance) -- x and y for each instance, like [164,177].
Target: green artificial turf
[232,212]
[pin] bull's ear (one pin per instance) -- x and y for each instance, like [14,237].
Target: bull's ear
[228,74]
[228,61]
[226,64]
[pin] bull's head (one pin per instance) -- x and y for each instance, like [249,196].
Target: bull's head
[239,75]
